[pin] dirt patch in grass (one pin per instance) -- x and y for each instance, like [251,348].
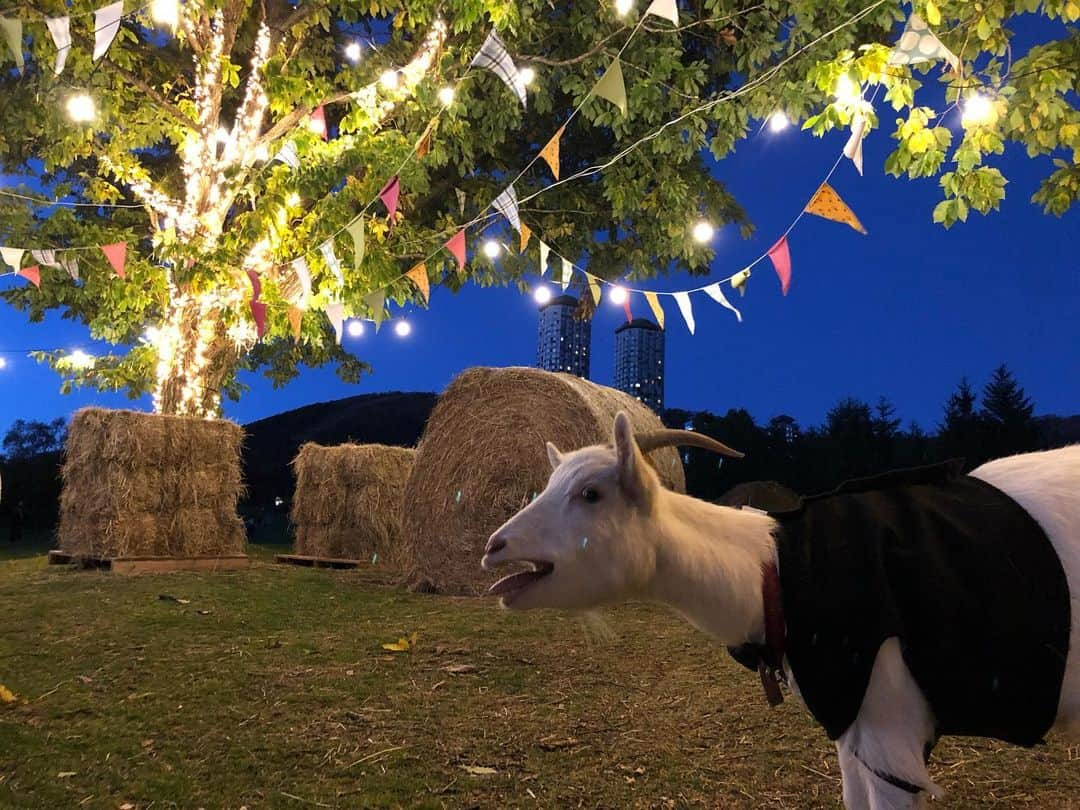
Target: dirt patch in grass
[270,688]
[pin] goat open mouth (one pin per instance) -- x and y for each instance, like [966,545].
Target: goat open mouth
[522,579]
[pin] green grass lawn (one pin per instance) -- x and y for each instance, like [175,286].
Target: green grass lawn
[270,688]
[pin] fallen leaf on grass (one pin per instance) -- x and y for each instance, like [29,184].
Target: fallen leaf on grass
[168,597]
[6,695]
[127,806]
[479,770]
[65,774]
[85,678]
[403,644]
[459,669]
[205,612]
[549,744]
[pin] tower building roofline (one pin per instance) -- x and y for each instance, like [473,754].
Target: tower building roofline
[560,301]
[638,323]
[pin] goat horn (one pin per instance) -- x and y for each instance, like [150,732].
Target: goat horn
[655,439]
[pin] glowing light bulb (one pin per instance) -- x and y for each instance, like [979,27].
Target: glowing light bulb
[527,74]
[222,135]
[3,363]
[846,91]
[80,360]
[978,110]
[353,52]
[165,12]
[779,121]
[402,329]
[355,328]
[491,249]
[81,108]
[152,334]
[262,153]
[622,7]
[389,79]
[293,200]
[446,96]
[542,294]
[618,296]
[703,231]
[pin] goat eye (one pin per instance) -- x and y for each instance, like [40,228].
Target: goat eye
[590,495]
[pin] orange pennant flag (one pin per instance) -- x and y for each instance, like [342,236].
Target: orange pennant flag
[418,276]
[526,235]
[296,315]
[424,145]
[657,310]
[827,203]
[550,153]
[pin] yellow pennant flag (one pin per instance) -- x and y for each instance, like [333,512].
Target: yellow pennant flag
[550,153]
[423,146]
[594,288]
[657,310]
[526,235]
[827,203]
[418,276]
[296,316]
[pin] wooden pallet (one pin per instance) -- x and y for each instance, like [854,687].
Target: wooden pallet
[318,562]
[150,565]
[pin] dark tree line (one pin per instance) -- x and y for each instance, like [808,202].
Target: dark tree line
[858,439]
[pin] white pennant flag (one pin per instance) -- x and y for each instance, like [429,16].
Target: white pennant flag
[336,314]
[46,258]
[60,28]
[493,56]
[106,25]
[12,28]
[666,9]
[506,204]
[327,250]
[683,300]
[853,147]
[567,273]
[300,267]
[716,294]
[288,155]
[544,251]
[12,256]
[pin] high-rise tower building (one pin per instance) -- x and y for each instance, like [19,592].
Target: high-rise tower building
[563,341]
[639,361]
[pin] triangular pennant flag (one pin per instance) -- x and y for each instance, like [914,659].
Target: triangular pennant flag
[288,155]
[60,28]
[296,318]
[45,257]
[336,313]
[506,204]
[493,56]
[376,304]
[567,273]
[716,294]
[12,257]
[71,265]
[356,231]
[331,259]
[117,256]
[258,312]
[550,153]
[303,274]
[13,34]
[612,87]
[544,252]
[389,195]
[526,235]
[666,9]
[456,246]
[594,288]
[626,308]
[423,146]
[657,310]
[853,147]
[919,44]
[460,201]
[31,274]
[683,300]
[738,281]
[317,123]
[106,24]
[781,261]
[256,285]
[418,276]
[827,203]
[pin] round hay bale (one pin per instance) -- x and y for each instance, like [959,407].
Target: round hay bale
[348,501]
[482,458]
[769,496]
[139,484]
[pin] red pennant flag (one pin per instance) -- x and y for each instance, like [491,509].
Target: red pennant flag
[117,256]
[31,274]
[317,123]
[256,285]
[389,195]
[456,246]
[781,260]
[626,309]
[258,312]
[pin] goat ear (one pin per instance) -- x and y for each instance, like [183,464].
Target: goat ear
[630,462]
[554,456]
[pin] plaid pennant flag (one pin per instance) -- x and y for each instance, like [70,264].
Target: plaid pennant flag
[288,155]
[493,56]
[506,204]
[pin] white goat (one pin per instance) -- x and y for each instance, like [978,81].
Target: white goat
[605,530]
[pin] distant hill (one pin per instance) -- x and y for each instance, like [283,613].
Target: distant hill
[393,418]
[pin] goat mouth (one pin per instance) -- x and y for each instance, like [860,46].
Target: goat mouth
[522,579]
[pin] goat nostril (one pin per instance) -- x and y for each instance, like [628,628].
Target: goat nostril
[495,544]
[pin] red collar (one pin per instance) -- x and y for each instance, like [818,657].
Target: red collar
[771,664]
